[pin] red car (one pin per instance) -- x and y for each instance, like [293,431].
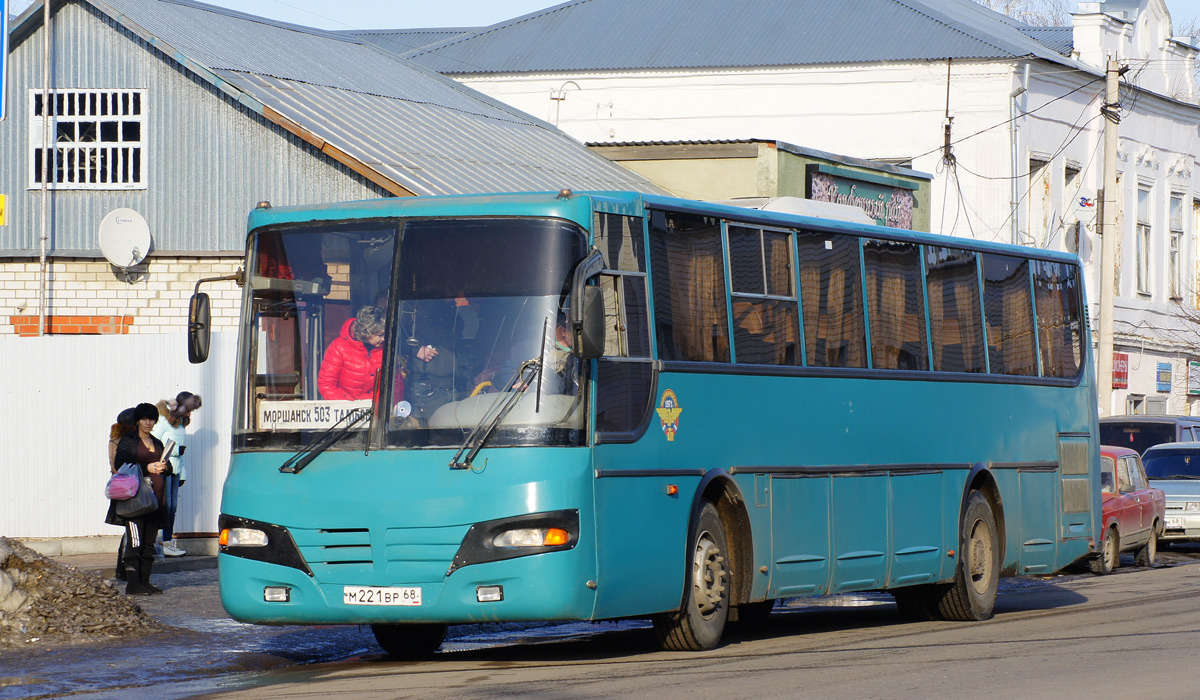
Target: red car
[1133,511]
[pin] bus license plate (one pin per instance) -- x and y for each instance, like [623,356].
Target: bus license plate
[373,595]
[1174,524]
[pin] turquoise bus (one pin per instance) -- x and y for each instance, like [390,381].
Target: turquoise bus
[610,405]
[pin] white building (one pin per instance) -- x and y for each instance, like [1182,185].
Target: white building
[887,79]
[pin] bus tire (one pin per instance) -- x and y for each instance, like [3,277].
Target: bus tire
[699,624]
[409,641]
[1148,554]
[972,595]
[1106,561]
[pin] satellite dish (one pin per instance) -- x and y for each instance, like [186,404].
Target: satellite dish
[124,238]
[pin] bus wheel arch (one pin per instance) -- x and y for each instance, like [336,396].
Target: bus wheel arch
[724,493]
[971,596]
[718,521]
[699,622]
[981,479]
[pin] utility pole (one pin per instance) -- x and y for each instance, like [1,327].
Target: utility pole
[1109,235]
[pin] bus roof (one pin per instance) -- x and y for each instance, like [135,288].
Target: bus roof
[577,206]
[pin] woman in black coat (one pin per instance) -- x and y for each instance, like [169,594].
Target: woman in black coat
[142,448]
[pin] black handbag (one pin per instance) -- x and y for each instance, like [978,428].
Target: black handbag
[143,502]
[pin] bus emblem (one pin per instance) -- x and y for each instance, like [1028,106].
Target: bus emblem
[668,412]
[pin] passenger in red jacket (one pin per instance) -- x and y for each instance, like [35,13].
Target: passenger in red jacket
[353,358]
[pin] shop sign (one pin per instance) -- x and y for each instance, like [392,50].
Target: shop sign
[1193,377]
[1120,374]
[888,200]
[1163,375]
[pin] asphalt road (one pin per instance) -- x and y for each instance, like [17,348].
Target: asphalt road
[1132,634]
[1135,633]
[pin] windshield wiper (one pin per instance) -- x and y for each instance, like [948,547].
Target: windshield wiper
[520,381]
[332,434]
[1177,476]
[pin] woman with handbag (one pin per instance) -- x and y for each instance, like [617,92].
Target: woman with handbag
[125,424]
[142,448]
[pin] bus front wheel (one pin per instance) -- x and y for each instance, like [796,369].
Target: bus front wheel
[415,641]
[972,596]
[698,625]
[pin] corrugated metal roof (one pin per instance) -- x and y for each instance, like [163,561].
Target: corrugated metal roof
[670,34]
[1060,40]
[401,41]
[429,149]
[407,125]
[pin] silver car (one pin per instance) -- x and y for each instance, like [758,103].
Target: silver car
[1175,468]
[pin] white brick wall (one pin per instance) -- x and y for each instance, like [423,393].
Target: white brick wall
[156,294]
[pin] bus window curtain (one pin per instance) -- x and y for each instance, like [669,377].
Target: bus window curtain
[887,318]
[810,292]
[698,292]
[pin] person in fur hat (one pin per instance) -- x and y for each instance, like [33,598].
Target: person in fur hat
[353,358]
[125,424]
[173,419]
[141,448]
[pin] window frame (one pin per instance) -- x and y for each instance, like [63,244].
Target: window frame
[1175,247]
[1143,236]
[767,295]
[804,244]
[121,154]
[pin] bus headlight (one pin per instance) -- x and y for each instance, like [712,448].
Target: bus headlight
[518,536]
[532,537]
[1192,505]
[259,541]
[243,537]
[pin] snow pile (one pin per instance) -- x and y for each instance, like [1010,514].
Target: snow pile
[42,599]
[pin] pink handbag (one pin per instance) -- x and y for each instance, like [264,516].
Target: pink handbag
[124,484]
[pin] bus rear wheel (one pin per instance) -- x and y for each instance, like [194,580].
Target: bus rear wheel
[972,595]
[699,624]
[415,641]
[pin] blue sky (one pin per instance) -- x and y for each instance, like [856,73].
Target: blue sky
[397,14]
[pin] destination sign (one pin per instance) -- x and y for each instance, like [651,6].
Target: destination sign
[308,415]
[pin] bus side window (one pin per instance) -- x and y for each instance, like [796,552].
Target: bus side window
[956,326]
[1008,307]
[621,241]
[831,300]
[687,266]
[766,320]
[897,305]
[624,377]
[1059,318]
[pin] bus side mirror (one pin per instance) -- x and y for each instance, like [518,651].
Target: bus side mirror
[199,322]
[587,309]
[589,337]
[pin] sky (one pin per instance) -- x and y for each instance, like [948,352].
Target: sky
[402,14]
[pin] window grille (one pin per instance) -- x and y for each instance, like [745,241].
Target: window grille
[97,138]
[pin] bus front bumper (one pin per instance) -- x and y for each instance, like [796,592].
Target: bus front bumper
[549,586]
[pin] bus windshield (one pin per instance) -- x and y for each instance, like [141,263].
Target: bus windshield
[438,332]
